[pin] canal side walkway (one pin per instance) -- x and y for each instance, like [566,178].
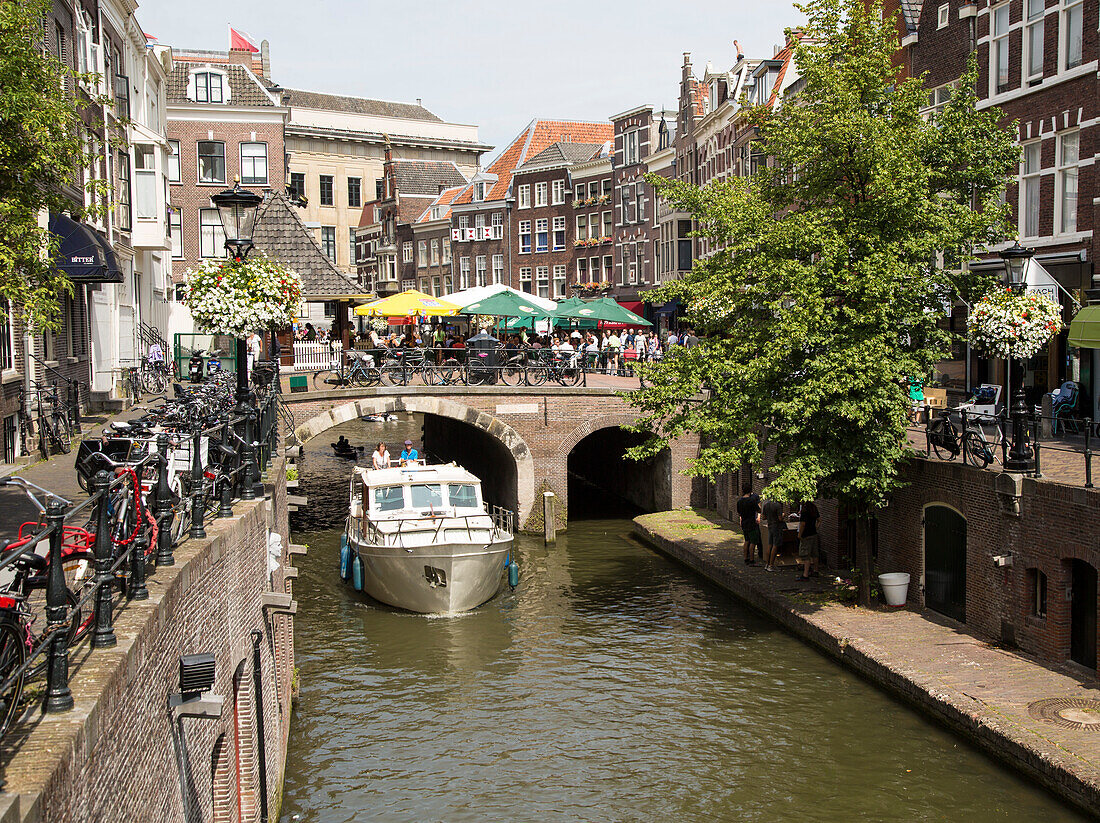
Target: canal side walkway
[990,695]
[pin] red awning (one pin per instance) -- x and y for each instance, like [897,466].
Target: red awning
[635,306]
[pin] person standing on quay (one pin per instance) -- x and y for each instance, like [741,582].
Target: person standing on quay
[809,542]
[748,509]
[773,516]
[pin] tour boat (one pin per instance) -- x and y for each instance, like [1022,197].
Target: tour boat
[420,537]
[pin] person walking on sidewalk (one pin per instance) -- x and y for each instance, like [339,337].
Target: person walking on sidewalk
[809,543]
[773,516]
[748,509]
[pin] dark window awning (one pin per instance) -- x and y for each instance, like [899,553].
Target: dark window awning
[1084,331]
[668,308]
[84,255]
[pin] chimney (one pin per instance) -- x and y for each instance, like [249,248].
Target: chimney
[419,102]
[740,54]
[265,58]
[240,57]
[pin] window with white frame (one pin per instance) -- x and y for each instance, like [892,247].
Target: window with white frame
[630,147]
[938,99]
[479,192]
[605,188]
[557,192]
[434,254]
[943,16]
[1072,33]
[542,234]
[640,186]
[211,234]
[328,242]
[498,269]
[421,254]
[463,273]
[607,266]
[406,252]
[628,205]
[540,194]
[597,272]
[175,231]
[479,222]
[1029,189]
[524,236]
[542,275]
[208,87]
[1069,146]
[174,161]
[582,226]
[593,190]
[464,221]
[481,269]
[998,49]
[582,270]
[211,162]
[353,256]
[606,224]
[1033,40]
[523,200]
[497,228]
[559,281]
[559,233]
[525,279]
[7,342]
[578,192]
[254,164]
[446,251]
[145,182]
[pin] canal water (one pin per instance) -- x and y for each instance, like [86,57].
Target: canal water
[611,685]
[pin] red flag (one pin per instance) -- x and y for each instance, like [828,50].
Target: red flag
[241,40]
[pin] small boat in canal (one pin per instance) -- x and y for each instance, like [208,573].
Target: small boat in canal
[421,538]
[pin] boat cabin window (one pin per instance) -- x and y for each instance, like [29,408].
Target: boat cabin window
[425,495]
[388,498]
[462,495]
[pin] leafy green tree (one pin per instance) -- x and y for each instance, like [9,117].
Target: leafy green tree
[824,296]
[40,157]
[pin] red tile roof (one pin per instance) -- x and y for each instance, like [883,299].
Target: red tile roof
[538,136]
[444,199]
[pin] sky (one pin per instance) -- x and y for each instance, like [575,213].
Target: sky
[497,65]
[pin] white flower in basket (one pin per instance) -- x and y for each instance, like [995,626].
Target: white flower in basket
[1013,325]
[237,298]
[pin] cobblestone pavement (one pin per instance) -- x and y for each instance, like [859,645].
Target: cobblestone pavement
[980,690]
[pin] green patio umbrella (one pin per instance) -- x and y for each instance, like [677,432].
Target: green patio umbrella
[506,304]
[604,309]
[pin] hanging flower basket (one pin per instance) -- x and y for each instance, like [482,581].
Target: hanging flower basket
[237,298]
[1013,325]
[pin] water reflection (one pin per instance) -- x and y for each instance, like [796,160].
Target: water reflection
[610,686]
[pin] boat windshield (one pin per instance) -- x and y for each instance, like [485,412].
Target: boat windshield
[426,495]
[388,498]
[462,495]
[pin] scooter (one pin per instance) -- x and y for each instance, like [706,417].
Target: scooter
[213,363]
[195,367]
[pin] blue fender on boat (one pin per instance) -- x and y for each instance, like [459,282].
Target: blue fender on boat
[357,573]
[345,558]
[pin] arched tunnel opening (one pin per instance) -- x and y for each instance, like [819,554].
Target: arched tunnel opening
[604,482]
[446,440]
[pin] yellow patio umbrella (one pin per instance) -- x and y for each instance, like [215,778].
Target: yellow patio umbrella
[410,303]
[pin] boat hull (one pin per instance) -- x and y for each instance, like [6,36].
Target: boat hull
[441,578]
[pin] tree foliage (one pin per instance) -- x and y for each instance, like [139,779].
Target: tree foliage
[824,294]
[40,156]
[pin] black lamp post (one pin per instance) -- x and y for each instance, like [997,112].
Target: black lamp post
[237,209]
[1020,457]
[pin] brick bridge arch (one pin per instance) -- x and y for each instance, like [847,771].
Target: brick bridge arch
[539,428]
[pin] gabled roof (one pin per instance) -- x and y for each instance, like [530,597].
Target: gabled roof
[359,105]
[280,233]
[245,89]
[444,199]
[537,136]
[424,177]
[558,154]
[910,12]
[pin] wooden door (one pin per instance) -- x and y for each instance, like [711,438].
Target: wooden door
[945,561]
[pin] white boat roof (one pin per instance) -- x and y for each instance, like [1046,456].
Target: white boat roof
[440,473]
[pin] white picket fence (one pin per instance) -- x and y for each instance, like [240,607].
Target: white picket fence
[315,356]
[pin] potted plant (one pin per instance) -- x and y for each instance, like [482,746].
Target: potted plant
[239,297]
[1013,324]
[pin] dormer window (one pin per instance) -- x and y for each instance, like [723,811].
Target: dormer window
[208,87]
[479,192]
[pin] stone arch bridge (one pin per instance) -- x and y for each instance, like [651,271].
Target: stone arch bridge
[521,440]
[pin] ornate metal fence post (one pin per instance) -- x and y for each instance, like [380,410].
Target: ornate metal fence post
[198,495]
[1088,453]
[58,696]
[247,490]
[163,508]
[104,635]
[1033,422]
[73,391]
[139,549]
[965,428]
[226,507]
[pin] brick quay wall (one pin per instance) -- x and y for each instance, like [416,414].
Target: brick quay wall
[121,754]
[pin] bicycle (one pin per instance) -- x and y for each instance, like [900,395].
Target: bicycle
[154,376]
[131,383]
[362,372]
[54,430]
[947,442]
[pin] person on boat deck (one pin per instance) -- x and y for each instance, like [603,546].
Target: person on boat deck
[408,454]
[381,457]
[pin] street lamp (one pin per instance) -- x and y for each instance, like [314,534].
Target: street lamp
[1020,457]
[237,209]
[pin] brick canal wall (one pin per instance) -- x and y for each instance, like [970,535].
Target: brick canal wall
[120,754]
[538,428]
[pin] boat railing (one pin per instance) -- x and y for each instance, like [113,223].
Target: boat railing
[502,526]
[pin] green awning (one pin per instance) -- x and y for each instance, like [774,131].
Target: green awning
[1084,331]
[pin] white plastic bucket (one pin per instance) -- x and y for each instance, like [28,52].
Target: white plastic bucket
[895,587]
